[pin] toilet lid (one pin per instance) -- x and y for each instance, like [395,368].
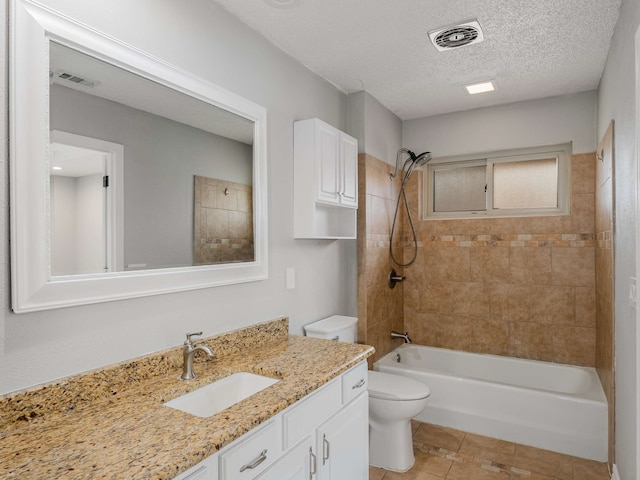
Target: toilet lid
[387,386]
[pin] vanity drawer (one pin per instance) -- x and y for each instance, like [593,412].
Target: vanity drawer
[253,455]
[354,382]
[311,412]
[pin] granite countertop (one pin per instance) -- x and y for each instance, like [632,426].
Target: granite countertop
[111,423]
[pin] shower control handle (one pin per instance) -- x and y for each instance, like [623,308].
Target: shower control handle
[395,278]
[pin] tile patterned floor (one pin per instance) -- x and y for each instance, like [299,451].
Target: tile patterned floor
[445,453]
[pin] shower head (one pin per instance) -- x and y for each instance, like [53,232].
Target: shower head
[421,159]
[410,163]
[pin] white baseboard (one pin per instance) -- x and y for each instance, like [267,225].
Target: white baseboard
[615,475]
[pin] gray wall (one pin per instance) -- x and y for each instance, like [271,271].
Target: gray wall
[205,40]
[378,130]
[526,124]
[617,97]
[379,133]
[160,159]
[4,180]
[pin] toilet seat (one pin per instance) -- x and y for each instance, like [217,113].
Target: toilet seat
[387,386]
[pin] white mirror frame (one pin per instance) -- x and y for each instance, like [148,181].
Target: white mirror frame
[32,27]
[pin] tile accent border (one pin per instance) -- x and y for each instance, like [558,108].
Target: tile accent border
[578,240]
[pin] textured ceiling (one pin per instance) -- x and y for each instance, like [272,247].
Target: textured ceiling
[532,49]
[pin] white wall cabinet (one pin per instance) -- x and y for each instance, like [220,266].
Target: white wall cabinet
[324,436]
[325,181]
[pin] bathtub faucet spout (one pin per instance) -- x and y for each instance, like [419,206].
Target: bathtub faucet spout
[404,336]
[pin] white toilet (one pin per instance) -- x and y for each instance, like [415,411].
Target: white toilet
[393,401]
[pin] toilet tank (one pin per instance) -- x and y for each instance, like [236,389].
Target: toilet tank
[336,327]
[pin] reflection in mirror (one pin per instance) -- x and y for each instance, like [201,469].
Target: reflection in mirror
[223,226]
[78,203]
[158,129]
[180,193]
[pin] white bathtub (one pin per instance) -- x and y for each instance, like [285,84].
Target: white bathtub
[545,405]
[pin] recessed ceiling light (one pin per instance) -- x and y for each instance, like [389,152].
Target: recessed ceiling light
[480,88]
[56,168]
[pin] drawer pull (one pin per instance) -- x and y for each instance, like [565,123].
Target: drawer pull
[325,449]
[359,384]
[261,458]
[313,464]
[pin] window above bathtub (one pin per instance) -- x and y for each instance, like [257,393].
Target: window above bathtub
[512,183]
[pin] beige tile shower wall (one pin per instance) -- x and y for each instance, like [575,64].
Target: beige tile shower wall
[522,287]
[604,276]
[222,221]
[380,308]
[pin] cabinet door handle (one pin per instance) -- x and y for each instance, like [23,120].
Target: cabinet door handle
[325,449]
[259,459]
[313,464]
[359,384]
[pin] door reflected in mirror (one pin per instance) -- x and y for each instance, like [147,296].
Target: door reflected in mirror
[78,202]
[150,177]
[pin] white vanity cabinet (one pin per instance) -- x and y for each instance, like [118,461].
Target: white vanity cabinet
[298,464]
[337,416]
[343,443]
[325,181]
[205,470]
[253,453]
[324,436]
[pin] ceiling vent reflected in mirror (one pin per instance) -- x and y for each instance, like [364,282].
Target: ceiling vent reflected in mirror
[456,36]
[63,77]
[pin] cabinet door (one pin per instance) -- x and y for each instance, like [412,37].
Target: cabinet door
[255,452]
[343,443]
[349,171]
[298,464]
[328,165]
[202,471]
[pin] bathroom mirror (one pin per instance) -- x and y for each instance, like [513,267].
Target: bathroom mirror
[129,177]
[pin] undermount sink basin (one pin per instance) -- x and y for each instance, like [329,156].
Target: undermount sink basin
[217,396]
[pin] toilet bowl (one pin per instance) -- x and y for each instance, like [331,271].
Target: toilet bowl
[393,401]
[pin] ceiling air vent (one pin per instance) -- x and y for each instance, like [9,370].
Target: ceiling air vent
[67,77]
[456,36]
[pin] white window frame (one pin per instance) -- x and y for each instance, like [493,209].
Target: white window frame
[562,152]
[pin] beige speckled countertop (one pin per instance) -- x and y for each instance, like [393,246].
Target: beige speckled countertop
[111,423]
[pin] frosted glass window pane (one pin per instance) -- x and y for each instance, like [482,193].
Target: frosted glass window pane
[527,184]
[460,189]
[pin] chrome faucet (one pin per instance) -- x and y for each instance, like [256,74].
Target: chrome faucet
[404,336]
[188,352]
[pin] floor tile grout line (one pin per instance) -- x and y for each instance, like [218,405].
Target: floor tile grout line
[509,468]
